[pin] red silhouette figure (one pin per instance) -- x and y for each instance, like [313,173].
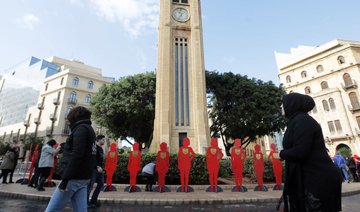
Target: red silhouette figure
[238,156]
[134,165]
[110,165]
[276,164]
[259,166]
[185,156]
[213,157]
[34,158]
[162,165]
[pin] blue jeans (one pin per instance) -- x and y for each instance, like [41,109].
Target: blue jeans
[97,177]
[76,192]
[345,173]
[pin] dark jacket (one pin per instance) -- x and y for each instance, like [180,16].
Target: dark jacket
[311,177]
[79,154]
[99,157]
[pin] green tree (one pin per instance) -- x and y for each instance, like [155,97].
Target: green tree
[127,107]
[243,108]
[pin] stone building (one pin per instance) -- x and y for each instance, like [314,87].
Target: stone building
[329,73]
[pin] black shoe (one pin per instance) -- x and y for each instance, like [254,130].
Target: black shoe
[5,183]
[31,185]
[40,189]
[11,182]
[91,205]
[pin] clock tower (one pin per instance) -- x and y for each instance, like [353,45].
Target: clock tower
[181,107]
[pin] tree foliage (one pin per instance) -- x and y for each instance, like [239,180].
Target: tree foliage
[243,108]
[127,107]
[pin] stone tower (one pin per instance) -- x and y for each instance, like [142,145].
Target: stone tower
[181,107]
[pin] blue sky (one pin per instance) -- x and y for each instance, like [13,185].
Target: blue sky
[120,36]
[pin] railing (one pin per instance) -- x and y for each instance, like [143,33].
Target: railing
[349,85]
[354,108]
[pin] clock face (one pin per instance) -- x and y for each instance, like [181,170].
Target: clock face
[181,14]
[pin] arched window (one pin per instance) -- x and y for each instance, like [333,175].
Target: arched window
[303,74]
[347,79]
[325,105]
[332,104]
[73,96]
[341,60]
[307,90]
[46,86]
[354,100]
[90,84]
[76,81]
[288,79]
[324,85]
[62,81]
[88,98]
[319,68]
[181,1]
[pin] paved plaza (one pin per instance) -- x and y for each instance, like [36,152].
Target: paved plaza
[15,196]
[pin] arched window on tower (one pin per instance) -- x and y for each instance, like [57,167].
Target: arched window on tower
[88,98]
[325,105]
[347,80]
[324,85]
[72,96]
[288,79]
[341,59]
[303,74]
[319,68]
[332,104]
[354,100]
[307,90]
[90,84]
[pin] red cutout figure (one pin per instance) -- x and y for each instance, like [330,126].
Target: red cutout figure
[134,165]
[238,156]
[110,165]
[276,164]
[259,165]
[162,165]
[34,158]
[213,157]
[185,156]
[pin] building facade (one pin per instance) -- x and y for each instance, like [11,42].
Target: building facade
[42,99]
[329,73]
[181,109]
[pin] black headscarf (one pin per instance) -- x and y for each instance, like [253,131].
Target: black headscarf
[294,103]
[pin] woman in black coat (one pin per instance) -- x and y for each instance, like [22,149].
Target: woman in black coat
[312,183]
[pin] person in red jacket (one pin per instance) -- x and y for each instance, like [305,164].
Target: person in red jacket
[259,166]
[110,165]
[162,165]
[213,158]
[185,156]
[134,165]
[277,166]
[238,156]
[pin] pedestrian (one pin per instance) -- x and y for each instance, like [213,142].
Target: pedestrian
[34,181]
[340,162]
[97,175]
[7,165]
[312,182]
[149,173]
[77,163]
[46,162]
[17,150]
[352,167]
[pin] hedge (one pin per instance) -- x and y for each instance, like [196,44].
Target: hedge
[198,173]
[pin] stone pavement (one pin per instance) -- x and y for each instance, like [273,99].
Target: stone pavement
[199,197]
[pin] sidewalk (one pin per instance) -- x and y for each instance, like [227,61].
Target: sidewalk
[18,191]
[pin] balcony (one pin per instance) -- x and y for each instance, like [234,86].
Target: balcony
[40,106]
[37,121]
[26,123]
[72,101]
[53,117]
[357,131]
[48,131]
[354,108]
[66,131]
[56,101]
[349,85]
